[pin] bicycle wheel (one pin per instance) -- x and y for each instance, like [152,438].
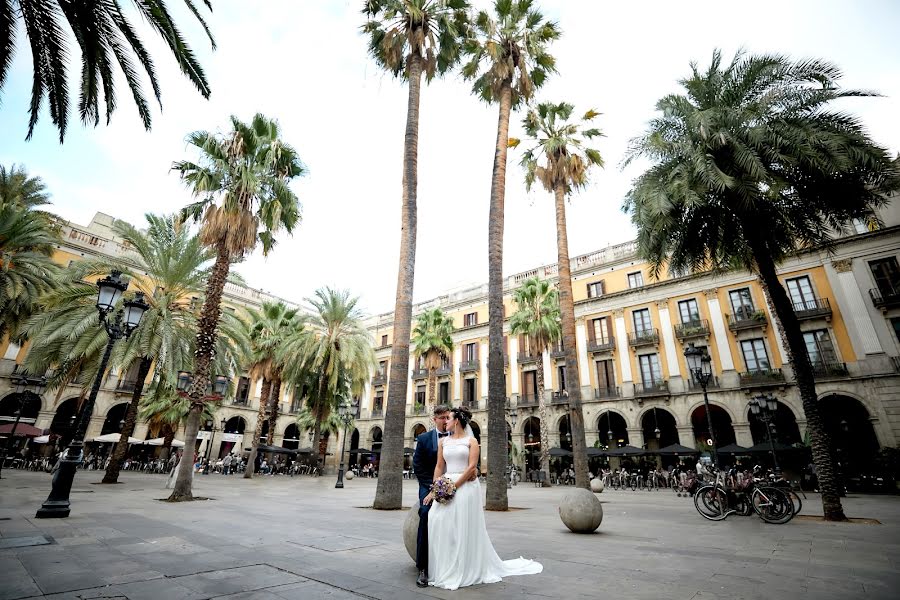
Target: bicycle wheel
[772,505]
[711,503]
[795,500]
[633,484]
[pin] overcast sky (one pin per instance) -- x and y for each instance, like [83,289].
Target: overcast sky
[305,63]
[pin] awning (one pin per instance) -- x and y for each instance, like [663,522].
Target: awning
[23,430]
[560,452]
[595,452]
[732,449]
[764,447]
[627,451]
[676,449]
[360,451]
[162,441]
[275,449]
[114,438]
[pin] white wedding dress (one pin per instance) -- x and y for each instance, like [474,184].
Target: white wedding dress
[460,552]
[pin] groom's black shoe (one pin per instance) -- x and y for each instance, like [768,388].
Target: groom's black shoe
[422,580]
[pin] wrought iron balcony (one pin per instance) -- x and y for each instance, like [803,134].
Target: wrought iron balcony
[601,344]
[653,388]
[692,329]
[419,373]
[418,409]
[295,407]
[560,398]
[467,366]
[606,393]
[237,401]
[377,412]
[762,377]
[126,387]
[380,378]
[815,308]
[747,320]
[712,385]
[557,351]
[471,404]
[527,401]
[885,299]
[824,370]
[443,370]
[526,357]
[647,337]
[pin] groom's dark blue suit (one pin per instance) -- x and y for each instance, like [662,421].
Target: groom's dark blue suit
[424,462]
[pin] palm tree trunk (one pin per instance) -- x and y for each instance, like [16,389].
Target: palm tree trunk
[121,449]
[497,459]
[567,315]
[432,386]
[273,409]
[261,417]
[803,374]
[207,334]
[168,438]
[317,429]
[545,419]
[388,495]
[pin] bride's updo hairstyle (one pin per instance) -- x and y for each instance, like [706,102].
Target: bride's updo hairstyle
[463,415]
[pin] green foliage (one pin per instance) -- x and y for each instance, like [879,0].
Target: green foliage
[537,315]
[432,338]
[753,154]
[105,38]
[241,182]
[509,47]
[431,29]
[267,329]
[559,156]
[306,421]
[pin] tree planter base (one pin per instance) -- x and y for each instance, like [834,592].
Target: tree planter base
[411,530]
[581,511]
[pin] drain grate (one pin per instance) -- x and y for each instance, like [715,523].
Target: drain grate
[23,542]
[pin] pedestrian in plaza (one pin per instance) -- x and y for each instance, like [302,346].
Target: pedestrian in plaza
[226,464]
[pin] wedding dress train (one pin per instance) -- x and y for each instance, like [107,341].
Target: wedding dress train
[460,552]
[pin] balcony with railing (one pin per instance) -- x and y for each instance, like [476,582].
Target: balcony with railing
[885,299]
[527,401]
[814,308]
[526,357]
[470,404]
[607,393]
[747,320]
[762,377]
[378,411]
[240,401]
[713,384]
[418,410]
[468,366]
[380,378]
[647,337]
[601,344]
[125,386]
[829,370]
[419,374]
[295,407]
[651,388]
[444,370]
[692,329]
[560,397]
[557,351]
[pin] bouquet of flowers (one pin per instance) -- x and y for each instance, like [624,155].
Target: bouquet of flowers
[443,490]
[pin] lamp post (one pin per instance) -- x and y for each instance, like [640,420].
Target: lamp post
[764,407]
[22,382]
[209,443]
[700,367]
[513,418]
[123,323]
[346,410]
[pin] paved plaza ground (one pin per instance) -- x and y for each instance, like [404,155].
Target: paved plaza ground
[276,538]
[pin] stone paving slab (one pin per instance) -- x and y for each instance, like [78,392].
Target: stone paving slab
[282,538]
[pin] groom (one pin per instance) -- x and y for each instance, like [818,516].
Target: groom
[424,462]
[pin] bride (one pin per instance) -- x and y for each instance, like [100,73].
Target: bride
[460,551]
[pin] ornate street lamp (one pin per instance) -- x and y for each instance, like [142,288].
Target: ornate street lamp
[218,385]
[346,411]
[23,382]
[125,321]
[700,366]
[513,418]
[764,407]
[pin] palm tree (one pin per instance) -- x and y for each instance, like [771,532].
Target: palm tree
[752,164]
[27,271]
[16,187]
[508,60]
[332,357]
[330,424]
[537,318]
[166,412]
[166,265]
[241,181]
[105,37]
[560,160]
[408,38]
[267,329]
[433,343]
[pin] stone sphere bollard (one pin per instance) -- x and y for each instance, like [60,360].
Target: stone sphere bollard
[581,511]
[411,530]
[348,475]
[597,485]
